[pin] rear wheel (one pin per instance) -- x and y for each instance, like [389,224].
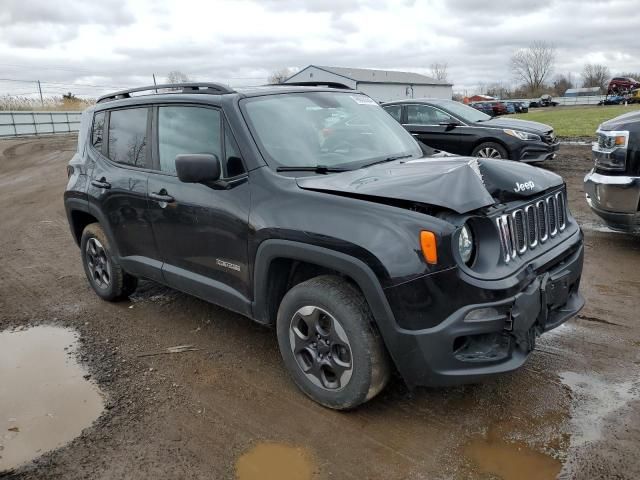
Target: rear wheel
[490,150]
[329,343]
[105,275]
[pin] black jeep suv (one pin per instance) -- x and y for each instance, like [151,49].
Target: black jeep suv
[311,209]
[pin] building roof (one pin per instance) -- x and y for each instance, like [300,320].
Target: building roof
[380,76]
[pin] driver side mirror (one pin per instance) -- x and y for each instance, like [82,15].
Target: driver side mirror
[198,168]
[451,123]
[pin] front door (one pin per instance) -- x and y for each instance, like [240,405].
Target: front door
[201,230]
[432,127]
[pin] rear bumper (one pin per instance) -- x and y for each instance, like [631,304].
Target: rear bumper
[615,199]
[484,339]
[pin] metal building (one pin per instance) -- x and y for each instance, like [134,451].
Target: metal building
[381,85]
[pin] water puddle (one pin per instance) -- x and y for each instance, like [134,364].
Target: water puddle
[274,461]
[45,401]
[511,460]
[593,400]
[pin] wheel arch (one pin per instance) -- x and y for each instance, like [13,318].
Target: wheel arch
[272,251]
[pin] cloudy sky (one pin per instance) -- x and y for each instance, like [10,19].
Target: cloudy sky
[90,47]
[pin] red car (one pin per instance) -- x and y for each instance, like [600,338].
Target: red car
[622,85]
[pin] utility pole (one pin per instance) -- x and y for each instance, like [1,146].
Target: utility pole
[40,90]
[154,81]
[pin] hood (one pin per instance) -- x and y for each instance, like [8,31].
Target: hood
[461,184]
[524,125]
[621,121]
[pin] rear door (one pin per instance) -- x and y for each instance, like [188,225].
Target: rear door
[201,230]
[117,191]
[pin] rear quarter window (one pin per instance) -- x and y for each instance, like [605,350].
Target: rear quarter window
[97,133]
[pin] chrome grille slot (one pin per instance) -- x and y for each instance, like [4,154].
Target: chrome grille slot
[520,235]
[525,228]
[541,208]
[552,216]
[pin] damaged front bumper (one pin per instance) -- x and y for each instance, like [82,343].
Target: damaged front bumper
[496,336]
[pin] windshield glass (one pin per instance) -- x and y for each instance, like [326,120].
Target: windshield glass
[465,112]
[332,129]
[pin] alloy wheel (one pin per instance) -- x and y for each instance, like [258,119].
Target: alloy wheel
[489,152]
[98,263]
[321,348]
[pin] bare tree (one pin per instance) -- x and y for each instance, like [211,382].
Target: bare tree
[439,71]
[176,76]
[533,65]
[561,83]
[595,75]
[279,76]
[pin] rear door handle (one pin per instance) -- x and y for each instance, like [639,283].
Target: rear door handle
[102,183]
[161,196]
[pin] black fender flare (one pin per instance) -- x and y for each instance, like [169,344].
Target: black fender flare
[82,205]
[354,268]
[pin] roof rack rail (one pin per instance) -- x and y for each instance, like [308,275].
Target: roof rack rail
[210,88]
[341,86]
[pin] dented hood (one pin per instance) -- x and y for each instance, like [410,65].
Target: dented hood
[461,184]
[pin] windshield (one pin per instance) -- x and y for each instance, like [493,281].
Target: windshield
[465,112]
[332,129]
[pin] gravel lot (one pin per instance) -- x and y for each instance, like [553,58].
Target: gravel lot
[573,410]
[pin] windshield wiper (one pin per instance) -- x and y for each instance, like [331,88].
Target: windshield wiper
[388,159]
[310,168]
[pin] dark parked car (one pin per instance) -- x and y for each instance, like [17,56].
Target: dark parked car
[519,107]
[457,128]
[491,108]
[622,85]
[613,186]
[334,227]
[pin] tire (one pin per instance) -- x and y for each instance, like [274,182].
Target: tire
[335,311]
[490,150]
[106,277]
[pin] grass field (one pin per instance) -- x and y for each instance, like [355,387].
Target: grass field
[575,121]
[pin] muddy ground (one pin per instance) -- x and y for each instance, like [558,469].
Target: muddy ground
[572,411]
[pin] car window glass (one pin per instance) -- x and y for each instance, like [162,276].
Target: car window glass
[233,165]
[425,115]
[395,111]
[98,130]
[183,130]
[128,137]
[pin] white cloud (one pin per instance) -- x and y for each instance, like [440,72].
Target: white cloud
[121,43]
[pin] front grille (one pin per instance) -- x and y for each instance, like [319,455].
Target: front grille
[525,228]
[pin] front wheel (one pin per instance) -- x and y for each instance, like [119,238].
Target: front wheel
[329,343]
[490,150]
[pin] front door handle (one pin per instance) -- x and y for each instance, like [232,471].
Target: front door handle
[161,196]
[102,183]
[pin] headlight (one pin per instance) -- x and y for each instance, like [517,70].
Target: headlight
[610,151]
[466,244]
[522,135]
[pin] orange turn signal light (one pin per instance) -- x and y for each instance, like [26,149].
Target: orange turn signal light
[429,247]
[620,140]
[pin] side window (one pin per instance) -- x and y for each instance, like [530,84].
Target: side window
[425,115]
[395,111]
[187,130]
[233,165]
[97,133]
[128,137]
